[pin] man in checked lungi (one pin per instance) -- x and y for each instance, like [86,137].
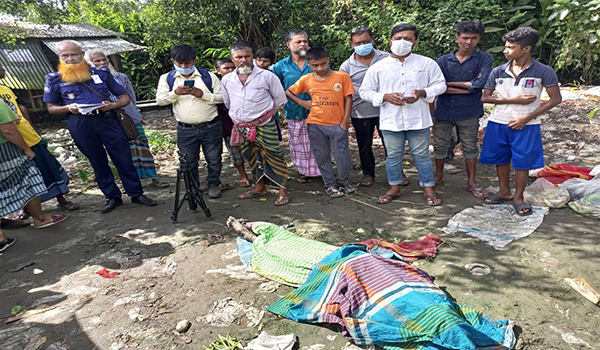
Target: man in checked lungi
[252,96]
[289,70]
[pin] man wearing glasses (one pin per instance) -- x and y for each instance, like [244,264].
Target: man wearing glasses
[365,117]
[97,132]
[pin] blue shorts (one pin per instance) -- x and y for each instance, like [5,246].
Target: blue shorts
[524,148]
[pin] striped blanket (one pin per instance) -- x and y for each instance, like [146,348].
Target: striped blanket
[381,300]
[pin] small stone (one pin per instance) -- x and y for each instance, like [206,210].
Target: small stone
[183,326]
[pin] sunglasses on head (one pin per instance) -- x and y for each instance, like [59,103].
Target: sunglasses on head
[361,29]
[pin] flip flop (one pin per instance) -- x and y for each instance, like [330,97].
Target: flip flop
[478,192]
[405,182]
[68,205]
[438,183]
[523,206]
[56,218]
[387,198]
[367,181]
[160,184]
[302,179]
[495,199]
[251,194]
[244,183]
[282,200]
[10,223]
[430,200]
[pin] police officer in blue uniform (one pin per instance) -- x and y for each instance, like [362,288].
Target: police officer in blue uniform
[99,132]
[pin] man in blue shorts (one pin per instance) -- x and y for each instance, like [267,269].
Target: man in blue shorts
[513,132]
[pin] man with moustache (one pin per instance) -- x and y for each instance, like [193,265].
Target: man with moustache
[252,96]
[289,70]
[97,132]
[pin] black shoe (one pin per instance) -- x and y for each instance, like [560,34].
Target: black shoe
[111,205]
[143,200]
[8,243]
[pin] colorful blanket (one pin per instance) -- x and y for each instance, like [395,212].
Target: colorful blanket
[384,301]
[282,256]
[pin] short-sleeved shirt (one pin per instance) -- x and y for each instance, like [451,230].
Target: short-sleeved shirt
[59,92]
[6,116]
[327,97]
[288,73]
[532,80]
[361,109]
[29,134]
[476,68]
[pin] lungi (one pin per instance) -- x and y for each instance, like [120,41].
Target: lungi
[300,151]
[264,156]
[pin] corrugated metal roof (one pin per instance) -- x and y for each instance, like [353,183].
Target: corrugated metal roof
[70,30]
[108,45]
[25,65]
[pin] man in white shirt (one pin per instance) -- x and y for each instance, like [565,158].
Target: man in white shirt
[403,85]
[252,96]
[194,105]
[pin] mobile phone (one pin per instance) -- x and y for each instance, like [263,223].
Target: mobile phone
[407,97]
[189,83]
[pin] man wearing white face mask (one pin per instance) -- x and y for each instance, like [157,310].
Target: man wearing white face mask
[365,117]
[194,94]
[403,85]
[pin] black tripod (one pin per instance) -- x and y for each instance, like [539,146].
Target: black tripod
[192,191]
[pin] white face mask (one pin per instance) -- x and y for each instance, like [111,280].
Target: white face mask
[401,47]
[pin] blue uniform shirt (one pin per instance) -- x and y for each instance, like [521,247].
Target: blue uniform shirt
[476,69]
[59,92]
[288,73]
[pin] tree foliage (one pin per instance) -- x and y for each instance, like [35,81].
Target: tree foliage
[569,29]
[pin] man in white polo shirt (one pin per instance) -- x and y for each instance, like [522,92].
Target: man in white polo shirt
[194,94]
[513,132]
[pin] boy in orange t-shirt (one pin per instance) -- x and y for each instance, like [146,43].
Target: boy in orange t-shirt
[328,120]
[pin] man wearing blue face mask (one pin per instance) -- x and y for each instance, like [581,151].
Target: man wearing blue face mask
[365,117]
[403,85]
[193,94]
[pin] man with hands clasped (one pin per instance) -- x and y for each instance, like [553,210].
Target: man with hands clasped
[403,85]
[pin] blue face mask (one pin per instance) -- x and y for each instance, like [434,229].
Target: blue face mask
[363,50]
[184,71]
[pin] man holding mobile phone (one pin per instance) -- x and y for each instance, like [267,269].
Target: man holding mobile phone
[193,94]
[403,85]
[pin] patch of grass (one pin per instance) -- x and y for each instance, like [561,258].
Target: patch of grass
[227,342]
[160,141]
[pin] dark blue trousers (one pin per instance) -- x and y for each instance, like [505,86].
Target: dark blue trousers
[95,135]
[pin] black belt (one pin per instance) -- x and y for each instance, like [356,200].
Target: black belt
[199,125]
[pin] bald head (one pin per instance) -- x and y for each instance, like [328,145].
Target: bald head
[70,51]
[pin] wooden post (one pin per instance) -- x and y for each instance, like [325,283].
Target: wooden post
[116,61]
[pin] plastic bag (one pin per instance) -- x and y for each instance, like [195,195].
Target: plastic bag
[543,193]
[588,206]
[579,188]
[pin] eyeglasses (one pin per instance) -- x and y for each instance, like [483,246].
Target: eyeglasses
[361,29]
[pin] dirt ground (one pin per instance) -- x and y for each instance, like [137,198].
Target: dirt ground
[171,272]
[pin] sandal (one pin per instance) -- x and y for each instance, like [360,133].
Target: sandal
[251,194]
[244,183]
[386,198]
[8,243]
[367,181]
[405,182]
[67,205]
[282,200]
[350,188]
[55,220]
[493,198]
[438,183]
[302,179]
[430,200]
[478,192]
[334,192]
[159,184]
[526,207]
[10,223]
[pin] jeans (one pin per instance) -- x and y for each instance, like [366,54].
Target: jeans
[210,138]
[418,143]
[322,139]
